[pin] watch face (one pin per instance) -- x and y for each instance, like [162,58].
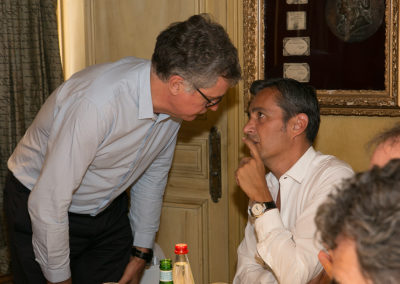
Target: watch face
[257,209]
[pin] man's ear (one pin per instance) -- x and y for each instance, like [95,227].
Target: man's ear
[298,124]
[175,83]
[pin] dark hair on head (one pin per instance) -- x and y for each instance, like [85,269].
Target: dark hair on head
[199,50]
[294,98]
[366,209]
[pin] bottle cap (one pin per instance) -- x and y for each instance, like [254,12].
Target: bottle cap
[181,249]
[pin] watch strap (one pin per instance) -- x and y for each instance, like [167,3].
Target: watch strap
[147,256]
[269,205]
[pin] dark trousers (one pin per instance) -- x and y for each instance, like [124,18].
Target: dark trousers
[99,246]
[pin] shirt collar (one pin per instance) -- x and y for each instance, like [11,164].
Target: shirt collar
[144,92]
[145,99]
[297,171]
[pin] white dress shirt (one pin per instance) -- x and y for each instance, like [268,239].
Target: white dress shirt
[95,136]
[279,246]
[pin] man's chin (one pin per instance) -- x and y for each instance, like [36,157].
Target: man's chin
[193,116]
[189,118]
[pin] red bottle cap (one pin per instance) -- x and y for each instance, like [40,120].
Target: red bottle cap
[181,249]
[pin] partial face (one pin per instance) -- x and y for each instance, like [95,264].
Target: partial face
[345,265]
[265,127]
[384,152]
[191,104]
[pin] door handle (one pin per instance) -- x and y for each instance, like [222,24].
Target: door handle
[214,142]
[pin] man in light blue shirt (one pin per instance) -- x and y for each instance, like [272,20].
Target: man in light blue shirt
[108,128]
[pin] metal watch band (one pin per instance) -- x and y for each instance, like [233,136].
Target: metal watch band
[147,256]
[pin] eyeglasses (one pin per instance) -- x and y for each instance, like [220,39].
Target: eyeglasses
[211,102]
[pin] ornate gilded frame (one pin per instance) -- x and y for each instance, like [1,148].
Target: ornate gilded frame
[332,102]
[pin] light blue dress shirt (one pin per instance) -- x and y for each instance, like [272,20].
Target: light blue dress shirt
[94,137]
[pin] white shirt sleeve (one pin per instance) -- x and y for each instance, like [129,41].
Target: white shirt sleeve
[291,255]
[71,147]
[251,268]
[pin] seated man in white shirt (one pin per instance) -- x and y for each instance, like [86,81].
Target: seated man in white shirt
[360,227]
[279,245]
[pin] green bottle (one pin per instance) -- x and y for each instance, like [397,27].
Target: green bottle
[166,271]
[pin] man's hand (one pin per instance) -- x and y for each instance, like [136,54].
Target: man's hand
[326,261]
[250,175]
[133,271]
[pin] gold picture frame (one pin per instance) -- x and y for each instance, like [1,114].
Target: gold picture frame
[333,102]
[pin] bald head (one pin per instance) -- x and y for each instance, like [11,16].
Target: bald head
[385,151]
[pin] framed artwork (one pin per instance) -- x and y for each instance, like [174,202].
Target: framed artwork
[346,49]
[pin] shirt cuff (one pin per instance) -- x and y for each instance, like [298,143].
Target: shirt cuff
[56,275]
[144,240]
[269,221]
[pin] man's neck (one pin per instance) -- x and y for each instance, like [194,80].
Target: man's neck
[158,89]
[283,163]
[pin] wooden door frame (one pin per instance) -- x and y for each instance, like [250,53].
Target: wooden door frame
[236,119]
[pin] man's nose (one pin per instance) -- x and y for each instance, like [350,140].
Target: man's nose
[249,127]
[214,108]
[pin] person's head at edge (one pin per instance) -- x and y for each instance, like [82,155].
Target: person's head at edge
[360,226]
[193,56]
[387,146]
[283,120]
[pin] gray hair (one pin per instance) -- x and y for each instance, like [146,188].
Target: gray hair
[367,210]
[199,50]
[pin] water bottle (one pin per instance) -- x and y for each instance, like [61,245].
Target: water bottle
[181,272]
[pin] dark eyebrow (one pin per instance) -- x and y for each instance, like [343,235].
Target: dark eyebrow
[256,109]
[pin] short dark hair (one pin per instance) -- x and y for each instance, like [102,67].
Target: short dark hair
[199,50]
[367,210]
[294,98]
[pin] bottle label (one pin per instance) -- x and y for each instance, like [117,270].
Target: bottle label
[165,275]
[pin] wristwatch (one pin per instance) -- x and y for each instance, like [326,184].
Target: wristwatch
[147,256]
[259,208]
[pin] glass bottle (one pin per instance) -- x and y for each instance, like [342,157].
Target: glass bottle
[181,272]
[166,271]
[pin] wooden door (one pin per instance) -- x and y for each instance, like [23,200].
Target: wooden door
[119,28]
[189,213]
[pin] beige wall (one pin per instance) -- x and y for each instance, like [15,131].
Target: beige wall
[72,38]
[346,137]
